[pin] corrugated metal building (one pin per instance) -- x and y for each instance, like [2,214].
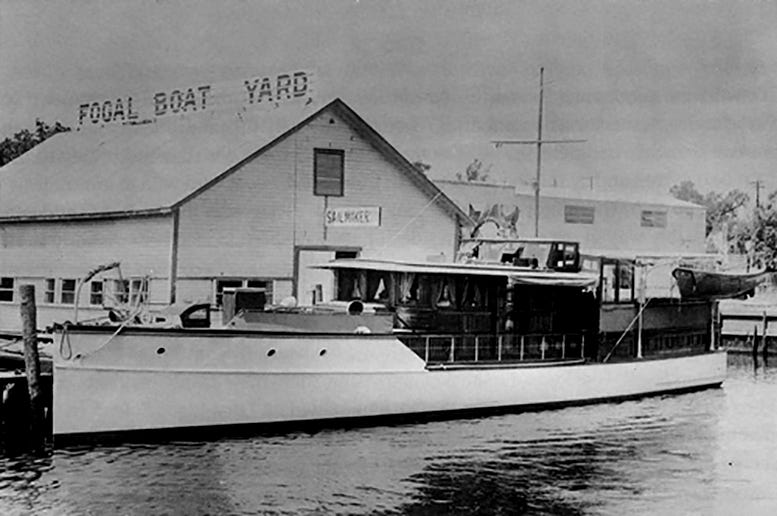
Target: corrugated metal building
[601,221]
[210,205]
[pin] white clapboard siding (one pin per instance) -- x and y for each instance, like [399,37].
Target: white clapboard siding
[617,222]
[70,249]
[248,224]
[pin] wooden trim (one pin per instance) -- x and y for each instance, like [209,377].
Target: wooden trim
[88,216]
[174,255]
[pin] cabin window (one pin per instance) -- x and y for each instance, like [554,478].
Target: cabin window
[328,172]
[578,214]
[617,282]
[6,289]
[221,284]
[406,291]
[378,287]
[609,283]
[50,292]
[415,289]
[446,293]
[68,294]
[96,293]
[653,219]
[473,297]
[348,285]
[625,282]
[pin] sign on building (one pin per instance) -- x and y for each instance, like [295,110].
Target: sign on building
[248,94]
[367,216]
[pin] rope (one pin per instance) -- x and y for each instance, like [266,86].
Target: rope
[101,346]
[410,221]
[623,335]
[10,343]
[66,350]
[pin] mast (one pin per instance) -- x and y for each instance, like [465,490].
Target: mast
[538,142]
[539,161]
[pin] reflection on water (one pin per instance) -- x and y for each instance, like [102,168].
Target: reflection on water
[710,452]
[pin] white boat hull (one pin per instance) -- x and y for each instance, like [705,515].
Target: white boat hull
[145,381]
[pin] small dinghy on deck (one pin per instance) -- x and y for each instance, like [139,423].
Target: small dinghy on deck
[700,284]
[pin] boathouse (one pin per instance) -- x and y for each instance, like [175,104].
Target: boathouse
[602,221]
[191,207]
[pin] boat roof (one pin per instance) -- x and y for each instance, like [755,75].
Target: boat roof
[519,240]
[516,275]
[652,256]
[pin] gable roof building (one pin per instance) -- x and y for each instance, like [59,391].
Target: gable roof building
[146,169]
[192,206]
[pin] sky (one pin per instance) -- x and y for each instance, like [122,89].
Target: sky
[661,91]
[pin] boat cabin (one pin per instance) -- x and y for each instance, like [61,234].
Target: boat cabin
[477,312]
[641,311]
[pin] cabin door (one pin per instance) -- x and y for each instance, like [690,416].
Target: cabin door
[317,285]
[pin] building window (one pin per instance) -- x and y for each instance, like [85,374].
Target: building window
[221,284]
[578,214]
[96,293]
[68,294]
[6,289]
[653,219]
[49,294]
[117,291]
[328,172]
[138,291]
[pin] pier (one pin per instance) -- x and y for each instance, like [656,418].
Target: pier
[749,328]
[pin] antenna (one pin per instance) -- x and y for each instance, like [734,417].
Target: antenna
[539,143]
[758,185]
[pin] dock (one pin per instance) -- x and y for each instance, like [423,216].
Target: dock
[750,326]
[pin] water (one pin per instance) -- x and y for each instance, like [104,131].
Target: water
[710,452]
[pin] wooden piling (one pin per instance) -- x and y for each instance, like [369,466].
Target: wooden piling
[32,362]
[764,350]
[755,342]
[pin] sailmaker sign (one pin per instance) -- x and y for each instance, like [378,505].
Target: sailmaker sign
[254,92]
[367,216]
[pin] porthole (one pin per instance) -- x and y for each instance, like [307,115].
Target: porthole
[160,351]
[322,353]
[270,352]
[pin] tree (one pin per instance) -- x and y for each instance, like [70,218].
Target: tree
[474,172]
[764,231]
[722,209]
[24,140]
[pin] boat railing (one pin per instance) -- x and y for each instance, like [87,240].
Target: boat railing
[490,348]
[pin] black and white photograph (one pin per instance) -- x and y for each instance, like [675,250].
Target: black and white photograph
[395,257]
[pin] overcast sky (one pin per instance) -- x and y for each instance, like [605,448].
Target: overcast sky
[661,91]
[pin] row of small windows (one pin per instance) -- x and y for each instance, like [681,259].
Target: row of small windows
[113,292]
[221,284]
[63,291]
[585,215]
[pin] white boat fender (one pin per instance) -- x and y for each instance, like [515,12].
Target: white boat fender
[362,330]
